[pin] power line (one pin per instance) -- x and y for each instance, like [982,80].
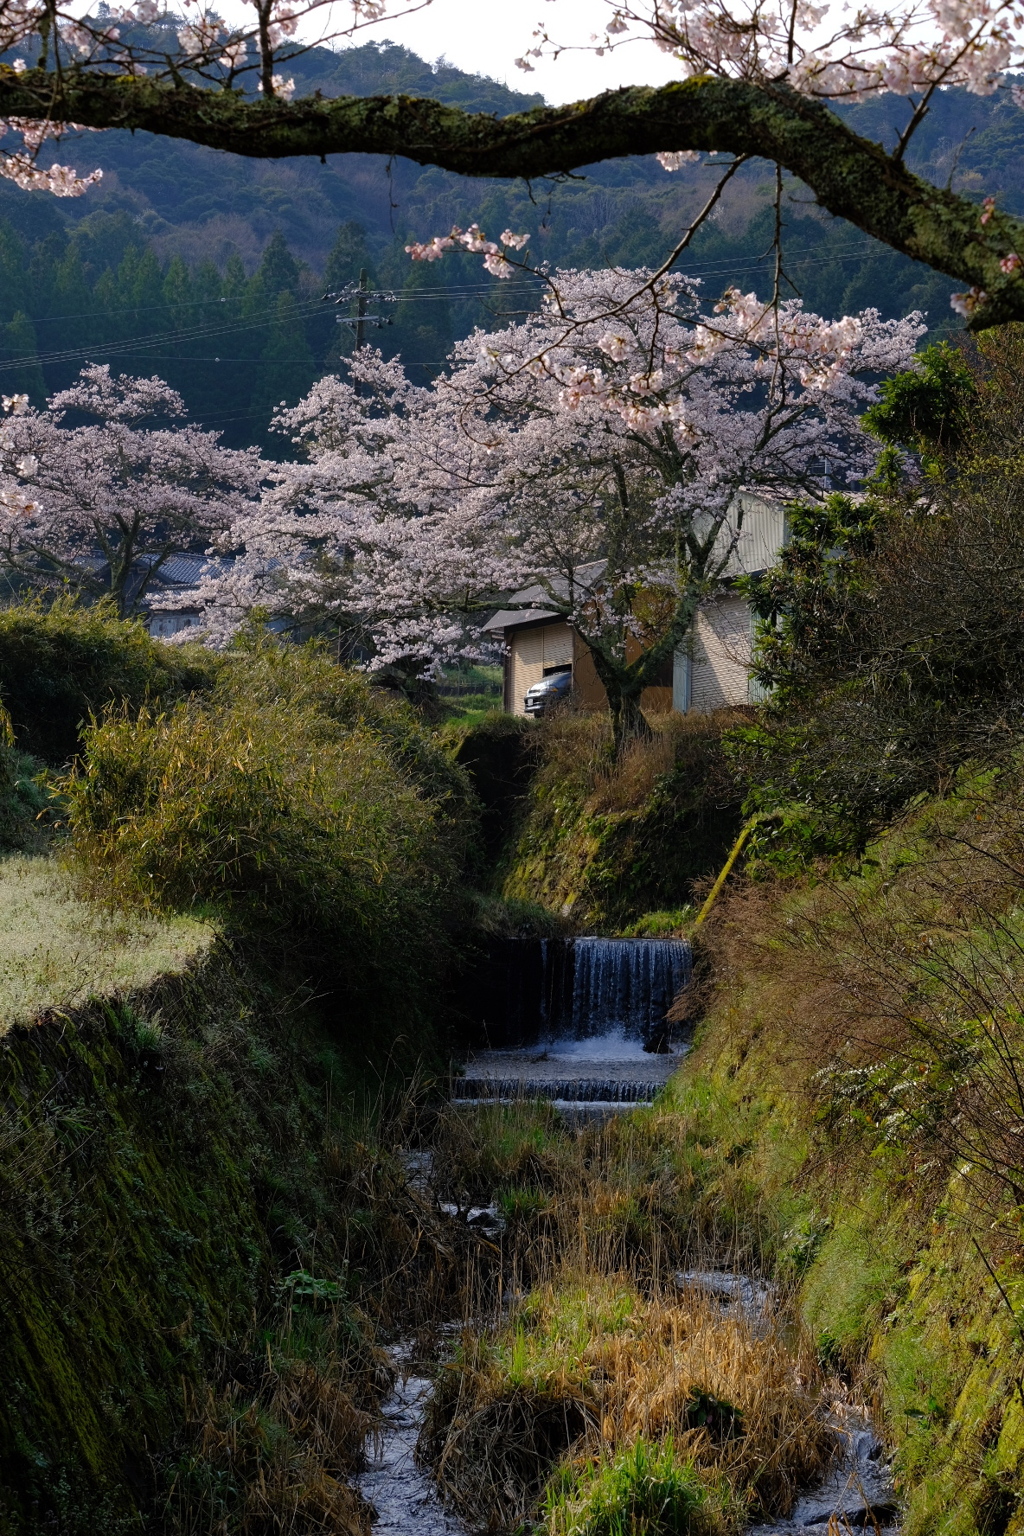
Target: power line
[307,309]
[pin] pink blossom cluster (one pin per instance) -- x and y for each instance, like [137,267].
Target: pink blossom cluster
[597,444]
[119,494]
[21,168]
[472,239]
[826,50]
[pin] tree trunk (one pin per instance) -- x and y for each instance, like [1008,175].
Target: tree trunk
[629,723]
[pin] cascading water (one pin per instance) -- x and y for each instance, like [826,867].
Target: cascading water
[626,986]
[582,1021]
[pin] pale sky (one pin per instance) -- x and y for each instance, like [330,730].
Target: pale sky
[485,36]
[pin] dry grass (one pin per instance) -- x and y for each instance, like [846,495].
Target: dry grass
[588,1366]
[58,949]
[272,1460]
[601,1356]
[896,991]
[577,752]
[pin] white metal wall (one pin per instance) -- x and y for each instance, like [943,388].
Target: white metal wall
[721,650]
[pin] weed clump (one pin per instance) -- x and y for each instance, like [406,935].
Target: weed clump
[647,1490]
[607,840]
[589,1368]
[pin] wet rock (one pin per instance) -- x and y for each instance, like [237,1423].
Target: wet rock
[740,1293]
[857,1495]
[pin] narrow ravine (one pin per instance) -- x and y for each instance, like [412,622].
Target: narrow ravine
[602,1048]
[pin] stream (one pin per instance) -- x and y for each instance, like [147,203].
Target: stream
[585,1030]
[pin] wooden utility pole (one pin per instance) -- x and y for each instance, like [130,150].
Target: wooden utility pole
[361,309]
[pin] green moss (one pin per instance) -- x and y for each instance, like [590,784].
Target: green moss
[166,1161]
[876,1239]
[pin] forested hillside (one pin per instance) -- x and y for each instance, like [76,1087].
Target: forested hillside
[208,269]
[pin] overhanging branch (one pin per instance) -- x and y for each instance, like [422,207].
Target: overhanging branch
[852,177]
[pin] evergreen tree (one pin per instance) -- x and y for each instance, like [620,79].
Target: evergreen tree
[285,373]
[423,334]
[349,255]
[278,271]
[13,272]
[18,345]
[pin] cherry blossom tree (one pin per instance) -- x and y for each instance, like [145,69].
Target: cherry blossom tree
[756,78]
[597,458]
[101,506]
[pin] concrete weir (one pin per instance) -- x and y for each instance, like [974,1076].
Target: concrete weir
[579,1022]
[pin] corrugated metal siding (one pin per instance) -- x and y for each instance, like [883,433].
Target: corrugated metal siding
[719,674]
[760,528]
[532,651]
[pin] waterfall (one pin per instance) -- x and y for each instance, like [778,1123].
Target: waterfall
[526,992]
[625,986]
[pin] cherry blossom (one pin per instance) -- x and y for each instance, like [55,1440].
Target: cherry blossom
[600,464]
[101,505]
[472,239]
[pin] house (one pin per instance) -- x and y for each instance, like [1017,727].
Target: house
[178,580]
[712,671]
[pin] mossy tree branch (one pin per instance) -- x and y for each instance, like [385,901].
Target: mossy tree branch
[852,177]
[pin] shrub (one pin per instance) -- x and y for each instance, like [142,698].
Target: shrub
[23,799]
[647,1490]
[311,814]
[264,809]
[264,672]
[59,664]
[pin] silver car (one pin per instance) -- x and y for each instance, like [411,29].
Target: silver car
[551,690]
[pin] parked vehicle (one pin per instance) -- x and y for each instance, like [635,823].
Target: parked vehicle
[551,690]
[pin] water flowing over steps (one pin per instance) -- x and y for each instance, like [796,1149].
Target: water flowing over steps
[581,1023]
[568,1021]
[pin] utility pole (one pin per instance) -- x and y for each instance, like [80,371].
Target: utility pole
[361,309]
[361,295]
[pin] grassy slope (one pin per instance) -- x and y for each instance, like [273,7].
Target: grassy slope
[883,1231]
[178,1135]
[57,949]
[604,844]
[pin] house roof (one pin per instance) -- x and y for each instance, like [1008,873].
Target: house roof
[508,617]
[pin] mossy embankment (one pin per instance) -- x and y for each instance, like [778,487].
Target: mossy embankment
[597,842]
[854,1102]
[848,1125]
[250,907]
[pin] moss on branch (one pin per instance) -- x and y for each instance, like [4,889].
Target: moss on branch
[852,177]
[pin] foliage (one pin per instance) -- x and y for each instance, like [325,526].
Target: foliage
[655,1406]
[644,1491]
[61,662]
[863,1049]
[606,841]
[890,635]
[656,925]
[24,799]
[612,502]
[100,507]
[499,754]
[926,409]
[283,802]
